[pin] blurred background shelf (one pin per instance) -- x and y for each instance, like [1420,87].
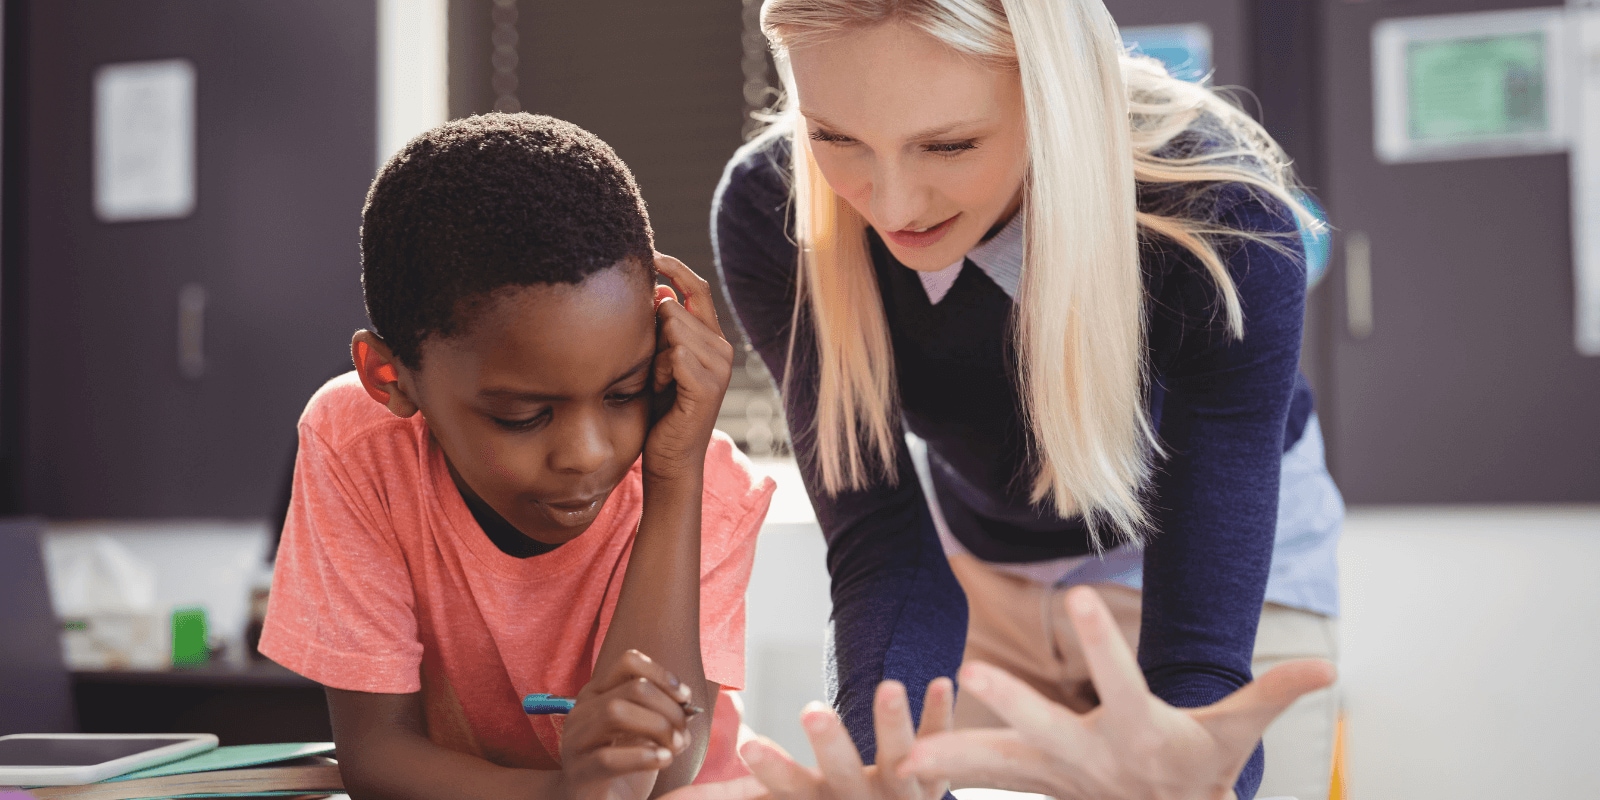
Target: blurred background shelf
[256,674]
[256,703]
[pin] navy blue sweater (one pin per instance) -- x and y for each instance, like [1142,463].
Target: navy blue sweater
[1225,410]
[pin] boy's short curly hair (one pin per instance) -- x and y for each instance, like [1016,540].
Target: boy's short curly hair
[487,202]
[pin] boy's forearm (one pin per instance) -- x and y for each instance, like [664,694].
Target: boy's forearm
[658,609]
[421,770]
[384,755]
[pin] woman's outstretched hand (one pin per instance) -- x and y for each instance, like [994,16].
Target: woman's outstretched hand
[1131,745]
[840,774]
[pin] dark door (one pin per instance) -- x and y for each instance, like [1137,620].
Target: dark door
[1468,387]
[113,425]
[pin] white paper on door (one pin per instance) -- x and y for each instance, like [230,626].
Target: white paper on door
[144,141]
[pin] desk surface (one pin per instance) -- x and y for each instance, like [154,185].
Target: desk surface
[253,674]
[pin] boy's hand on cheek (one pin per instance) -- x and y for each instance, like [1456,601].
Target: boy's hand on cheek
[626,726]
[695,360]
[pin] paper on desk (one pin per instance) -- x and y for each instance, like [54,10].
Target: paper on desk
[232,757]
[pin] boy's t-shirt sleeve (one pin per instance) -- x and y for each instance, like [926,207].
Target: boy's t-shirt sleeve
[341,611]
[734,507]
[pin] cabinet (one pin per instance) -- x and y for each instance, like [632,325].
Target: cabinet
[156,368]
[1468,388]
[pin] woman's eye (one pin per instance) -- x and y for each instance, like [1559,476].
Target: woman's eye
[949,148]
[525,424]
[831,138]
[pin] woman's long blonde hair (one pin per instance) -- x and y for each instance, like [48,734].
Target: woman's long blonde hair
[1097,122]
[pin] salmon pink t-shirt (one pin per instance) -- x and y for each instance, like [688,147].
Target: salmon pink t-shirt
[385,583]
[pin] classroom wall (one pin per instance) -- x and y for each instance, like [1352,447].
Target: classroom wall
[1469,652]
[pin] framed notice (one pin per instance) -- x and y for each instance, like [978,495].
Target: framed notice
[1470,85]
[144,141]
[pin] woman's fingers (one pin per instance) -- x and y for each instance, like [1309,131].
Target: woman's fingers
[837,758]
[747,788]
[1112,666]
[938,716]
[1239,719]
[998,758]
[891,715]
[938,707]
[1020,705]
[693,289]
[783,778]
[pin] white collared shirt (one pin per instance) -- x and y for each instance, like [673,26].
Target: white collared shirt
[1000,258]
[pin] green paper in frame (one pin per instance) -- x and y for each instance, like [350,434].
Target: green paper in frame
[1471,88]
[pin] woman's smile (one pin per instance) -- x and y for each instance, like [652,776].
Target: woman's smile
[922,237]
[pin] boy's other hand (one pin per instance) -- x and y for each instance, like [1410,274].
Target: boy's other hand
[694,362]
[626,726]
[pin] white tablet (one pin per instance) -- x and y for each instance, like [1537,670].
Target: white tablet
[71,759]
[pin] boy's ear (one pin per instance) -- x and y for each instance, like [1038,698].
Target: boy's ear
[379,372]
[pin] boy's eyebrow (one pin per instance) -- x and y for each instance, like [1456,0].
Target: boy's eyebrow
[642,365]
[513,394]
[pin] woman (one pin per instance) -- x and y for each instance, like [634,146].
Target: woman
[1076,281]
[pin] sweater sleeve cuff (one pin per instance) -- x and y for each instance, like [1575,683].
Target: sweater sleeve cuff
[1195,690]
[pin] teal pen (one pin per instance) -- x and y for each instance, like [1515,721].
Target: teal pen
[541,703]
[547,704]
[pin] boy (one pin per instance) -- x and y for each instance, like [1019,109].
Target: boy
[488,528]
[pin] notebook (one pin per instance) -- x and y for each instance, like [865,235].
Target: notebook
[252,770]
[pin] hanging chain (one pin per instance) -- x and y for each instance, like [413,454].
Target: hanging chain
[505,58]
[758,91]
